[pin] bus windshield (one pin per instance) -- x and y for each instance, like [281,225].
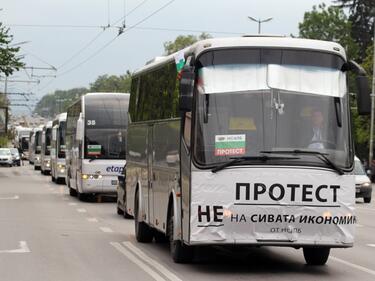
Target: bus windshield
[271,100]
[106,124]
[48,141]
[61,137]
[38,142]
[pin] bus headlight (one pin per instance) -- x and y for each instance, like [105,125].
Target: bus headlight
[91,177]
[47,163]
[61,168]
[366,184]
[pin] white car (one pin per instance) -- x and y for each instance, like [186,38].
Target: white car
[363,188]
[6,157]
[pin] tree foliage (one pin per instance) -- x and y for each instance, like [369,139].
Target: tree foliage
[9,62]
[182,42]
[362,16]
[60,100]
[330,24]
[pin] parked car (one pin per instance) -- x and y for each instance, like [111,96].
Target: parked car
[363,188]
[6,157]
[16,156]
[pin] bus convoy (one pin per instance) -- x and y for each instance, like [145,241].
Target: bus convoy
[229,142]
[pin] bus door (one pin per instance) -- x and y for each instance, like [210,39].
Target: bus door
[150,148]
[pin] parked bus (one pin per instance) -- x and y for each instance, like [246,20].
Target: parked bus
[37,147]
[45,161]
[251,147]
[58,171]
[95,140]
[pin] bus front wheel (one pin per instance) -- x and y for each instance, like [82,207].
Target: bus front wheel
[180,252]
[316,255]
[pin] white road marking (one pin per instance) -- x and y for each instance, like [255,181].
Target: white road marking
[359,225]
[92,219]
[72,204]
[371,245]
[81,210]
[23,248]
[106,229]
[15,197]
[137,261]
[361,268]
[170,275]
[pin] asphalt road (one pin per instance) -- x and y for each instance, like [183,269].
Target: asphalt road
[47,235]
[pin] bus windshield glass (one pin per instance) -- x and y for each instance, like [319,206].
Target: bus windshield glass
[61,138]
[106,124]
[48,141]
[257,100]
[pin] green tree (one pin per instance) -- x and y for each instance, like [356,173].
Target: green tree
[362,16]
[9,62]
[330,24]
[182,42]
[113,83]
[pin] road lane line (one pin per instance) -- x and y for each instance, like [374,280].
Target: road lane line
[81,210]
[170,275]
[92,219]
[146,268]
[359,225]
[371,245]
[72,204]
[15,197]
[106,229]
[23,248]
[361,268]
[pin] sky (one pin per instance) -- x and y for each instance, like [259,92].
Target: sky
[68,34]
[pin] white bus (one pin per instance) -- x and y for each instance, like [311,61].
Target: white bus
[251,147]
[37,147]
[45,155]
[31,146]
[95,140]
[58,171]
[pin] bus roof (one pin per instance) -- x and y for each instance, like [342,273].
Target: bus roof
[250,41]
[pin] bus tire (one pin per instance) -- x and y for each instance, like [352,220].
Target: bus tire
[81,196]
[72,192]
[179,252]
[143,232]
[316,255]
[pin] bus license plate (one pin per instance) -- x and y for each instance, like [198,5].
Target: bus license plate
[114,182]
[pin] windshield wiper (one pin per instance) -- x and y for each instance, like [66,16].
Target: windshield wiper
[93,159]
[321,156]
[238,160]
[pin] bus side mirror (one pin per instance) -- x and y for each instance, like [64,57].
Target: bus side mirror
[187,88]
[80,128]
[363,95]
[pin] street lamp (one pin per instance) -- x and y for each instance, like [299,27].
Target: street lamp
[259,21]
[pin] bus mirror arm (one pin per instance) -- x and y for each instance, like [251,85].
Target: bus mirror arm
[363,95]
[187,88]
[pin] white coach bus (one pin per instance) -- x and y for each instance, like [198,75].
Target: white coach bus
[95,140]
[45,155]
[251,147]
[37,147]
[58,171]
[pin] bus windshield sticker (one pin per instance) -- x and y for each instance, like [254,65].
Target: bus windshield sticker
[227,145]
[94,150]
[240,123]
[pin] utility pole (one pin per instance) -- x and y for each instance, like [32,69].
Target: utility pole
[259,21]
[371,146]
